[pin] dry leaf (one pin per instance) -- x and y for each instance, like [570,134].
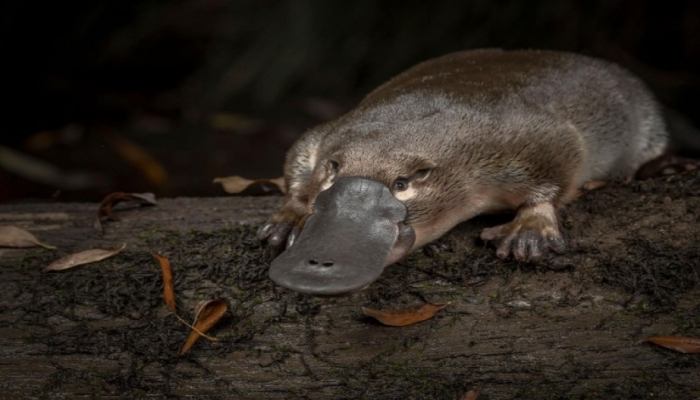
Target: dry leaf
[682,344]
[406,316]
[168,288]
[237,184]
[83,257]
[234,122]
[139,157]
[12,236]
[115,198]
[207,314]
[470,395]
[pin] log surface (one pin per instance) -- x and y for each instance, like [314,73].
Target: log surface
[567,328]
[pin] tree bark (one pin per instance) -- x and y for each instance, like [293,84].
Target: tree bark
[567,328]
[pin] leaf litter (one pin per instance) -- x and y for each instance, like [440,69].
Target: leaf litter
[405,316]
[681,344]
[108,203]
[81,258]
[138,156]
[168,287]
[12,236]
[207,313]
[238,184]
[470,395]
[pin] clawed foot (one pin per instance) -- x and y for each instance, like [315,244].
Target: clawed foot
[533,231]
[668,164]
[281,231]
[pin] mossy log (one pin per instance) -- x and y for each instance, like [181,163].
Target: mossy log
[567,328]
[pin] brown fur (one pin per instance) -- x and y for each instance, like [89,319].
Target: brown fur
[486,130]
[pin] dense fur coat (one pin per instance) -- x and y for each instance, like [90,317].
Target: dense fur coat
[478,132]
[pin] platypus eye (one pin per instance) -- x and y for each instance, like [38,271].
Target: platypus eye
[400,184]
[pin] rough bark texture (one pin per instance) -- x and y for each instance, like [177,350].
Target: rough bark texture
[565,329]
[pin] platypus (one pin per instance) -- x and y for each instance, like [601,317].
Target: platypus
[468,133]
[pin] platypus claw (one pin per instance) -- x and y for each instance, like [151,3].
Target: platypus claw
[528,245]
[293,235]
[668,164]
[274,236]
[279,235]
[533,232]
[264,230]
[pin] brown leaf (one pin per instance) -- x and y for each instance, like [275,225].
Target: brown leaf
[138,156]
[237,184]
[12,236]
[470,395]
[279,183]
[406,316]
[207,314]
[168,288]
[83,257]
[682,344]
[234,122]
[115,198]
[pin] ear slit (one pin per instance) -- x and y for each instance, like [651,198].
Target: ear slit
[420,174]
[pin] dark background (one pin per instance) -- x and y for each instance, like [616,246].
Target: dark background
[165,96]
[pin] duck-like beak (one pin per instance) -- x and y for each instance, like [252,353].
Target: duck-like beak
[356,230]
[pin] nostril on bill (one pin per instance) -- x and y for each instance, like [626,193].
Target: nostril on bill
[313,262]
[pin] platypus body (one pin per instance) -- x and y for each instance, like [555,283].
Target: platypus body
[461,135]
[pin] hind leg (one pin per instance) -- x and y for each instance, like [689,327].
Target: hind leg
[534,231]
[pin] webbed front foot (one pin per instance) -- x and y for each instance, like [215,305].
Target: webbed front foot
[534,231]
[280,231]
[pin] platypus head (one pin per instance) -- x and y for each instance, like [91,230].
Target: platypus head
[359,224]
[357,229]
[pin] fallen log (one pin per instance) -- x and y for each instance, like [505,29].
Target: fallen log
[567,328]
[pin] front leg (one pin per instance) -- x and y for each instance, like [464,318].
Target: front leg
[534,230]
[284,226]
